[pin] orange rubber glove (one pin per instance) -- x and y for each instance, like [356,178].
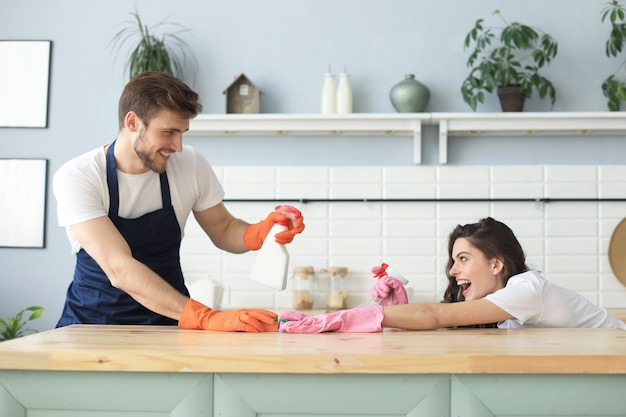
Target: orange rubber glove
[255,234]
[197,316]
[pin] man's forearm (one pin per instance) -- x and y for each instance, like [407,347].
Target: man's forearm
[150,290]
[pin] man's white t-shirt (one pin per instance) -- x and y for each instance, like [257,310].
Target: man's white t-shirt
[81,191]
[536,302]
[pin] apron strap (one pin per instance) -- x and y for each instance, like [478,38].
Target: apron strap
[114,194]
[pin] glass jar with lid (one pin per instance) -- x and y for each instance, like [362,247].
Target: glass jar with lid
[337,292]
[303,287]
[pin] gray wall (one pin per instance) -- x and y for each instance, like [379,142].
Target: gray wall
[285,47]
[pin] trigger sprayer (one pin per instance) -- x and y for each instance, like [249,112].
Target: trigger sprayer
[272,263]
[385,269]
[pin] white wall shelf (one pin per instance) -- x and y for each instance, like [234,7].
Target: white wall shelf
[410,124]
[526,124]
[380,124]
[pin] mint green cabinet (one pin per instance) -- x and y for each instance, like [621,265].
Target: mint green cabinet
[100,394]
[186,394]
[245,395]
[538,395]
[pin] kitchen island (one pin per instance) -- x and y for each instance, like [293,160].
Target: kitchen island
[91,370]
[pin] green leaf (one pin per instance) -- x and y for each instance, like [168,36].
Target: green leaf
[502,56]
[612,88]
[14,326]
[149,52]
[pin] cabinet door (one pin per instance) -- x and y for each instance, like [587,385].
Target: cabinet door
[110,394]
[538,395]
[291,395]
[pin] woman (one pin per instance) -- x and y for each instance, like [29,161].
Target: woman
[489,282]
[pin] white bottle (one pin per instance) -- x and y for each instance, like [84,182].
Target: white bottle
[329,94]
[344,94]
[272,263]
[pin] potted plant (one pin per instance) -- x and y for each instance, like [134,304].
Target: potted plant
[615,89]
[166,52]
[507,58]
[13,327]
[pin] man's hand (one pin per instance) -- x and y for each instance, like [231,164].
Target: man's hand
[196,315]
[255,234]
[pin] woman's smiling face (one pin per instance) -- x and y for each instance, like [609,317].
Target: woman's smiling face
[477,275]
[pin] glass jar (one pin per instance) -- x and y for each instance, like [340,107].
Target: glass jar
[337,293]
[303,287]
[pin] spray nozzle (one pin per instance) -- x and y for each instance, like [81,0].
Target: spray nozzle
[385,269]
[291,212]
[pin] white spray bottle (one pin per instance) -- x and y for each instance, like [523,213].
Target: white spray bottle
[271,267]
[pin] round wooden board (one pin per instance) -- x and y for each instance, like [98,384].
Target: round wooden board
[617,251]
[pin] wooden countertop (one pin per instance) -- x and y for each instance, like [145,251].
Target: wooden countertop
[169,349]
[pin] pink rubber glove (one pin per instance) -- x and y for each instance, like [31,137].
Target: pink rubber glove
[366,319]
[388,290]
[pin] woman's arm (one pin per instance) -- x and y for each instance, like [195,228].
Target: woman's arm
[430,316]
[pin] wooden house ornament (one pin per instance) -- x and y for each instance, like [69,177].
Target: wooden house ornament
[242,96]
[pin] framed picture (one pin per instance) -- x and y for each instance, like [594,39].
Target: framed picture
[24,83]
[23,202]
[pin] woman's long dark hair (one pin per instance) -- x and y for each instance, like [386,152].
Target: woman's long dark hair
[495,240]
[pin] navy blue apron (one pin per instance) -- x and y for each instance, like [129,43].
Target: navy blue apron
[154,240]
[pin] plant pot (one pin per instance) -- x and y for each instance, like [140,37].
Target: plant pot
[511,98]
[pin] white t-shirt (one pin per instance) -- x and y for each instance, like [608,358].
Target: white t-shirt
[81,191]
[536,302]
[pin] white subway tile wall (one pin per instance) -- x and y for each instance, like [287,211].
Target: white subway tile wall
[567,240]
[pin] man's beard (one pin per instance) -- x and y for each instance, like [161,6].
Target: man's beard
[147,159]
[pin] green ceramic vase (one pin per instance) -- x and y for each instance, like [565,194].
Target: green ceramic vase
[409,95]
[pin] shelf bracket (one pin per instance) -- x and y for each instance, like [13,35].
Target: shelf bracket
[443,141]
[417,143]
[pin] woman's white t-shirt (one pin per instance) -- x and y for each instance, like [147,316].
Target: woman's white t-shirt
[536,302]
[81,191]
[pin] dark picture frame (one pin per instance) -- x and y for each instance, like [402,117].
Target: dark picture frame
[24,83]
[23,196]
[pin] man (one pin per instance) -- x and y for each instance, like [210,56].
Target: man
[124,206]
